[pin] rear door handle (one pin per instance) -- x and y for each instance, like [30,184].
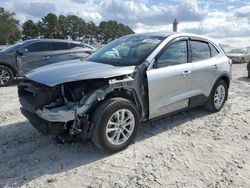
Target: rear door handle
[187,72]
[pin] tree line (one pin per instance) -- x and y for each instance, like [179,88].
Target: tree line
[60,27]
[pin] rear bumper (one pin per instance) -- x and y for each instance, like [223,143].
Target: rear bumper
[41,125]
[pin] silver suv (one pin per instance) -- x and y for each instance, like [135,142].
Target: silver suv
[133,79]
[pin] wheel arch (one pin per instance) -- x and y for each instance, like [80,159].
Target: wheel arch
[12,68]
[224,77]
[128,94]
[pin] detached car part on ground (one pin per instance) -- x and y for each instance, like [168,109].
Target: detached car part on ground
[133,79]
[239,55]
[18,59]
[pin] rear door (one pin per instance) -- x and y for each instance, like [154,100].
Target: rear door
[207,65]
[170,80]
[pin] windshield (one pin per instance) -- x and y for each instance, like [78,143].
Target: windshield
[125,51]
[14,47]
[237,51]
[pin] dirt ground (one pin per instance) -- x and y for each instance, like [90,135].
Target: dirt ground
[190,149]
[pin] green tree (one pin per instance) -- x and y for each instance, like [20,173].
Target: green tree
[30,30]
[91,32]
[111,30]
[63,25]
[74,27]
[9,30]
[49,26]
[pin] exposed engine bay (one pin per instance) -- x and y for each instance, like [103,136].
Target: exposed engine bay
[68,107]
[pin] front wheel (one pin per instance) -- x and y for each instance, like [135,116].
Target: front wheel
[6,76]
[116,122]
[217,97]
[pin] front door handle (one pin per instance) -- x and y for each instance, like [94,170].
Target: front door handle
[46,57]
[185,73]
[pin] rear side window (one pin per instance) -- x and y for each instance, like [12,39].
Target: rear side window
[74,45]
[60,46]
[214,51]
[39,47]
[174,54]
[200,50]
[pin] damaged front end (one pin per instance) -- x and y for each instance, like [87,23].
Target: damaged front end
[66,108]
[54,110]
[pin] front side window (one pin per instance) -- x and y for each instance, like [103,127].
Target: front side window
[125,51]
[174,54]
[39,47]
[200,51]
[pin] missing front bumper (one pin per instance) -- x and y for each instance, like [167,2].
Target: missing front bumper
[41,125]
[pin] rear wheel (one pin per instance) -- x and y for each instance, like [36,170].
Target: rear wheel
[6,76]
[217,97]
[116,122]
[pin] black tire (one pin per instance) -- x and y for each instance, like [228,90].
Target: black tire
[210,104]
[248,69]
[6,76]
[242,60]
[101,117]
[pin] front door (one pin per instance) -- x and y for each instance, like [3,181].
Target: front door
[170,80]
[37,55]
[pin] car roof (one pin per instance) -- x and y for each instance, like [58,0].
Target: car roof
[50,40]
[176,34]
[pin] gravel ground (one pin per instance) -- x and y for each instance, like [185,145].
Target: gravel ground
[190,149]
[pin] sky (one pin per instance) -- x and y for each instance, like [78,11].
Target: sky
[226,21]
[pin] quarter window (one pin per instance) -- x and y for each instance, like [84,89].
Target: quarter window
[74,45]
[214,51]
[174,54]
[200,50]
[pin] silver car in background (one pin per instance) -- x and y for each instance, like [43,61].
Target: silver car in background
[239,55]
[133,79]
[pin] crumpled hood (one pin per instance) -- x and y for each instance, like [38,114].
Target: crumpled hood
[235,55]
[76,70]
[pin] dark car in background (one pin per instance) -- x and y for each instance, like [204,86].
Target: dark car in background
[248,69]
[18,59]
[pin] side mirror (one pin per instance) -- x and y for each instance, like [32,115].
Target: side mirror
[22,51]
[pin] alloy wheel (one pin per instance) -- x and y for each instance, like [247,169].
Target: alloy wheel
[219,96]
[120,126]
[4,76]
